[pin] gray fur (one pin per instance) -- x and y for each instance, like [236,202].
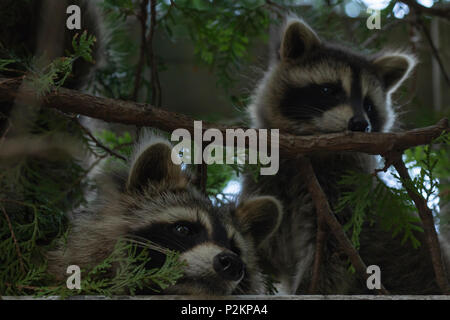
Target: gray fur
[305,59]
[152,190]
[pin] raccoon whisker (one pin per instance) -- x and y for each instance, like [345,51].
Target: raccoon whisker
[147,244]
[239,289]
[314,113]
[181,246]
[242,288]
[137,190]
[313,108]
[154,248]
[305,110]
[175,241]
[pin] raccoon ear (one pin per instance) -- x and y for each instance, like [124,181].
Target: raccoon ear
[153,165]
[394,68]
[298,39]
[260,217]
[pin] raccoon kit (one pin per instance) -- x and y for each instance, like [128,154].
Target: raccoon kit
[315,87]
[155,200]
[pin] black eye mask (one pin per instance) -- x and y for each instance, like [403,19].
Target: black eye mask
[304,103]
[182,236]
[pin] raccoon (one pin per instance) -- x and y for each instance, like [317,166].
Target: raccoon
[154,199]
[316,87]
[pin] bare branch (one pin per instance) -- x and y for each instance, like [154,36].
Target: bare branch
[385,28]
[98,143]
[142,17]
[156,85]
[428,224]
[434,50]
[323,209]
[442,12]
[202,176]
[321,239]
[5,133]
[290,146]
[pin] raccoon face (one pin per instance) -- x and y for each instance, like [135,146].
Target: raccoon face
[315,87]
[217,244]
[153,204]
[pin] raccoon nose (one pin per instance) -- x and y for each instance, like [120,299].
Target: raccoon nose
[229,266]
[358,123]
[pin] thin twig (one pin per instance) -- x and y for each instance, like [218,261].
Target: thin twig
[414,74]
[156,85]
[388,162]
[428,223]
[276,8]
[377,34]
[276,5]
[13,236]
[434,50]
[98,143]
[86,173]
[142,17]
[6,132]
[323,209]
[443,12]
[202,173]
[172,5]
[321,238]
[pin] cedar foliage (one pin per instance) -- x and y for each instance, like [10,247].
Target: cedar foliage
[37,191]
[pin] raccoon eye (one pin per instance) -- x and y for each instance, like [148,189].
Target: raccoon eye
[327,89]
[182,230]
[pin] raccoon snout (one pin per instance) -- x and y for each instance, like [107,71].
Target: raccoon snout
[229,266]
[358,123]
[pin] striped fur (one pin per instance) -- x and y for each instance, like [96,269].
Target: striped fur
[151,198]
[316,87]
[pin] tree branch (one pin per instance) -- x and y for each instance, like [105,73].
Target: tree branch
[442,12]
[321,239]
[202,177]
[434,50]
[156,85]
[428,224]
[98,143]
[142,17]
[290,146]
[323,210]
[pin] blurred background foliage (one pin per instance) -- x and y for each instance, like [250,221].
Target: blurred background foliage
[201,58]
